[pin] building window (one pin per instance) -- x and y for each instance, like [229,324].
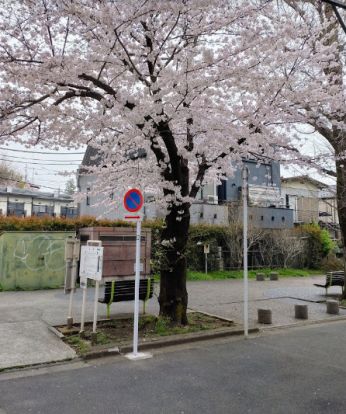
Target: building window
[68,212]
[42,210]
[15,209]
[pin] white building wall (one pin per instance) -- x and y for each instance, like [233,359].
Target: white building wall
[3,205]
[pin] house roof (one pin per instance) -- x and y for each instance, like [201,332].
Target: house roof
[305,179]
[34,194]
[93,157]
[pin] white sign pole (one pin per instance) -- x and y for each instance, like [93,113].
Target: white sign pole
[96,299]
[137,275]
[84,284]
[70,317]
[245,250]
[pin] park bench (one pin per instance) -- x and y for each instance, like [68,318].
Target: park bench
[333,279]
[124,290]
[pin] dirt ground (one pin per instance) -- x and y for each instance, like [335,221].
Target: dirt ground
[117,332]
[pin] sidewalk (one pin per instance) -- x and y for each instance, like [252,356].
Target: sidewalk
[26,316]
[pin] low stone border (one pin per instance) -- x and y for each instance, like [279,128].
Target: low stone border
[169,340]
[166,341]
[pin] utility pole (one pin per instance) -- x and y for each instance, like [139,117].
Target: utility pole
[245,177]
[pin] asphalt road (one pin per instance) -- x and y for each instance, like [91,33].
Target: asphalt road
[297,370]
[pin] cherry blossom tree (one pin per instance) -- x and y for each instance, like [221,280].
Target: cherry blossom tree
[173,80]
[311,79]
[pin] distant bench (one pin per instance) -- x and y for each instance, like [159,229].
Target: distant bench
[333,279]
[124,290]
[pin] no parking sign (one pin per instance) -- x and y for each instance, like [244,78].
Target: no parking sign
[133,204]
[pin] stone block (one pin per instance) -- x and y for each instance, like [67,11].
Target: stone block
[332,307]
[274,276]
[301,311]
[260,277]
[264,316]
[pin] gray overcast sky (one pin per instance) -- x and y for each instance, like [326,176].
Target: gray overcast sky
[48,169]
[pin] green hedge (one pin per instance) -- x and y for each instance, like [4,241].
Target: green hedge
[318,246]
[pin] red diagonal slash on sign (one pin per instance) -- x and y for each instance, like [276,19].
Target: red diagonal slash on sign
[131,203]
[135,202]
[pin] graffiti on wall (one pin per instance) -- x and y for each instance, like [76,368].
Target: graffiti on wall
[41,252]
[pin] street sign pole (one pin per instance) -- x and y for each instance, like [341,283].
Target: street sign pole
[245,175]
[137,275]
[133,203]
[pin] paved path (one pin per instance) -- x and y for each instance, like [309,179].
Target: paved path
[24,316]
[280,296]
[294,371]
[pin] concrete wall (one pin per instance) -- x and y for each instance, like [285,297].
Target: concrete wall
[199,212]
[32,260]
[209,214]
[270,218]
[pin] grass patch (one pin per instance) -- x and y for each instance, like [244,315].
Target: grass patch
[238,274]
[78,344]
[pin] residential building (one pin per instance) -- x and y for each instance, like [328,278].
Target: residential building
[302,196]
[266,204]
[312,202]
[213,204]
[24,202]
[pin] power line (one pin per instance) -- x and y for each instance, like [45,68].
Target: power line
[38,159]
[42,152]
[38,163]
[26,182]
[30,184]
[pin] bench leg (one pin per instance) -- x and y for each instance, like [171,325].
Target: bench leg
[110,300]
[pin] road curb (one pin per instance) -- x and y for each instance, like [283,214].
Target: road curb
[306,323]
[166,342]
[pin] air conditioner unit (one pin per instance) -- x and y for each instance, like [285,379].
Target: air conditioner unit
[212,199]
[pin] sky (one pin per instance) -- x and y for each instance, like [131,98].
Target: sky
[48,169]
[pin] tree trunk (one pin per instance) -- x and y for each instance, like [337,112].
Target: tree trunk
[341,199]
[173,294]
